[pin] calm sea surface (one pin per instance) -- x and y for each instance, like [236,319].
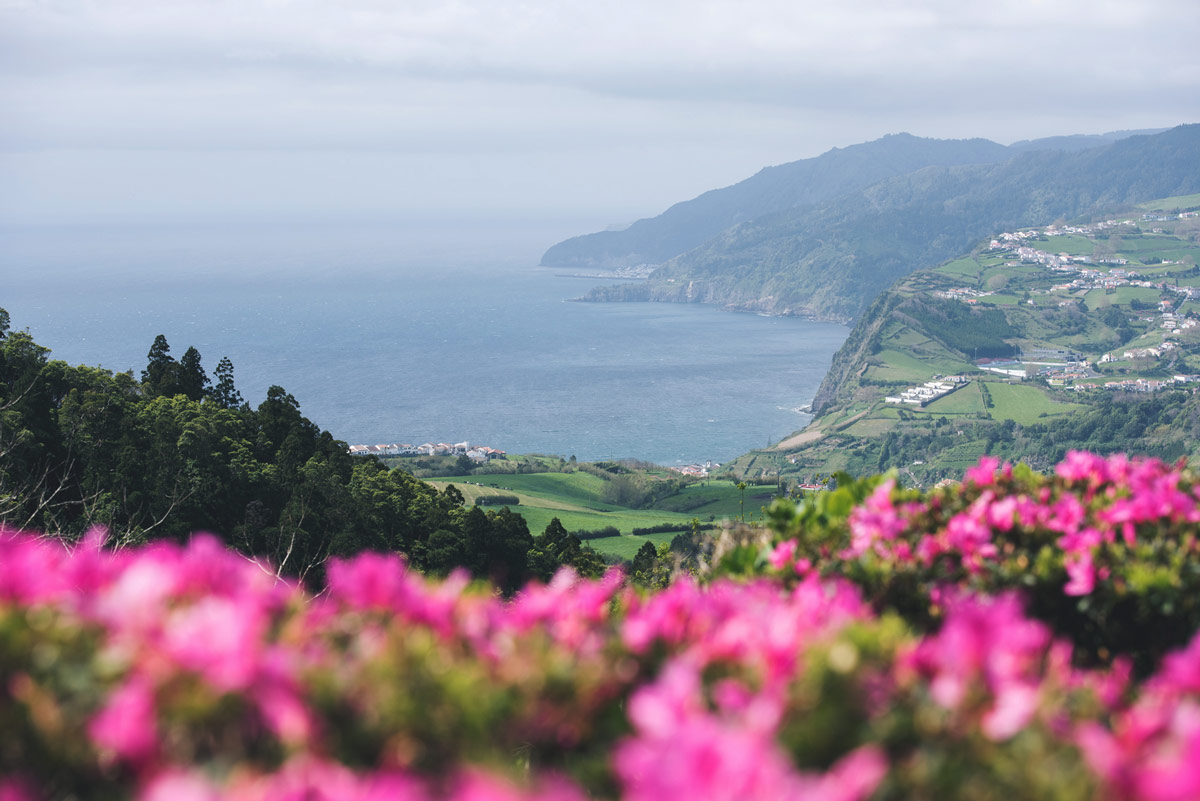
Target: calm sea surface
[392,335]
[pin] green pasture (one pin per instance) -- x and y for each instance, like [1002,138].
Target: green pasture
[625,521]
[1120,296]
[908,338]
[965,266]
[1169,250]
[576,499]
[1177,203]
[627,546]
[871,427]
[717,498]
[1025,404]
[894,365]
[1147,245]
[580,488]
[958,458]
[962,401]
[1001,299]
[1074,244]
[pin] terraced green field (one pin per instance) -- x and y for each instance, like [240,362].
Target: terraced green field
[1069,243]
[627,547]
[1176,203]
[578,488]
[1121,296]
[963,401]
[1025,404]
[965,267]
[1001,299]
[576,499]
[900,366]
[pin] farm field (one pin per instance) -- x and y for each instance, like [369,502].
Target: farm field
[900,366]
[548,496]
[963,401]
[576,499]
[967,266]
[1121,296]
[579,487]
[627,546]
[1025,404]
[1068,243]
[717,499]
[1176,203]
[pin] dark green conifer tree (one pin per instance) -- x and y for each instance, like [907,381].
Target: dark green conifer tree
[161,376]
[644,561]
[193,381]
[225,392]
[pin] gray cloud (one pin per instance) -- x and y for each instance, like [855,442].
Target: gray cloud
[526,104]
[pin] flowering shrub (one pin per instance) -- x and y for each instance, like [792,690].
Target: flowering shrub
[192,673]
[1104,550]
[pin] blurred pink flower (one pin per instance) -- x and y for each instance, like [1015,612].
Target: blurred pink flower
[126,727]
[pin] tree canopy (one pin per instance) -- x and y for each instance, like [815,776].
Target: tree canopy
[173,454]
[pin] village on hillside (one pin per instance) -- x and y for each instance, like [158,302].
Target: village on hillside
[696,470]
[1100,270]
[476,453]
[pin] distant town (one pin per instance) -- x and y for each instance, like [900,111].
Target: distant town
[476,453]
[1083,277]
[482,453]
[697,470]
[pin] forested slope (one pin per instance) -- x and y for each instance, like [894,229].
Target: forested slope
[171,454]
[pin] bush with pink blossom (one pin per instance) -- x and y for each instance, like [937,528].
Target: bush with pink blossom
[191,672]
[1104,550]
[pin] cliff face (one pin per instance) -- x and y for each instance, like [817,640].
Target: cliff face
[698,291]
[851,356]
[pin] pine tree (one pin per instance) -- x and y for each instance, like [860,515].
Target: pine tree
[193,381]
[644,562]
[161,376]
[225,392]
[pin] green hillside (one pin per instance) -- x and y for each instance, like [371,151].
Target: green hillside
[578,500]
[774,189]
[1081,334]
[830,259]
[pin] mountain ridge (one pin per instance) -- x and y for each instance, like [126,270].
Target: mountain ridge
[828,261]
[689,223]
[1068,336]
[775,188]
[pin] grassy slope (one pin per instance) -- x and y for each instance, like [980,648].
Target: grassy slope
[897,351]
[1177,203]
[1025,404]
[576,499]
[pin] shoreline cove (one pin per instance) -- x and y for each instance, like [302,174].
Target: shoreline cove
[378,347]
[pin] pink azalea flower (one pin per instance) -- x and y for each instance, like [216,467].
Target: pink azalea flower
[219,639]
[783,554]
[13,789]
[1014,708]
[984,473]
[1081,574]
[178,786]
[125,727]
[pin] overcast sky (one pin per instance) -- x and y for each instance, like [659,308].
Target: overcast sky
[593,112]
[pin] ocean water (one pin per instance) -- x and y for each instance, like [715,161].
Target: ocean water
[390,333]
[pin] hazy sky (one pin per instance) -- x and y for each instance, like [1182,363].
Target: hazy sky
[593,112]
